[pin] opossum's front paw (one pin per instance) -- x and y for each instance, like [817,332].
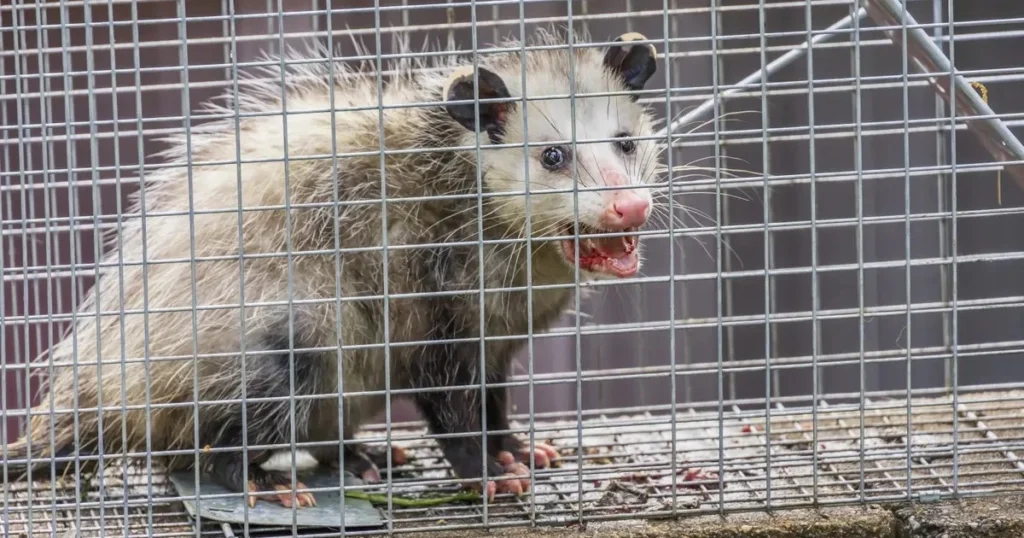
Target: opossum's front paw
[283,494]
[543,455]
[512,478]
[516,483]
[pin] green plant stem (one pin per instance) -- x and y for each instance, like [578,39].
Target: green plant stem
[405,502]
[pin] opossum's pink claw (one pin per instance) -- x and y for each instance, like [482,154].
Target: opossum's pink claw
[518,469]
[253,493]
[284,495]
[371,475]
[543,454]
[548,450]
[516,480]
[513,467]
[506,458]
[398,455]
[507,483]
[492,489]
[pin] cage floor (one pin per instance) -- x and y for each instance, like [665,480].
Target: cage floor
[627,468]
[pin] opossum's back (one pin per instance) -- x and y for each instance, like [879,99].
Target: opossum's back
[183,311]
[149,342]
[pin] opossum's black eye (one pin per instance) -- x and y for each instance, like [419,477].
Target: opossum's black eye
[625,146]
[553,158]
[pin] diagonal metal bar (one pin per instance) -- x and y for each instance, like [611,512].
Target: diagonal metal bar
[753,81]
[927,57]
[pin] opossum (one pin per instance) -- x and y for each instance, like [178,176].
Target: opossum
[173,333]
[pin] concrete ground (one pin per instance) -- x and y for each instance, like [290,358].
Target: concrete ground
[982,518]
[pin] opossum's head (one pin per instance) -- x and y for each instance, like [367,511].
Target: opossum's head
[612,162]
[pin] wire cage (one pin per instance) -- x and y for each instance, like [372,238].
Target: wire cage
[826,311]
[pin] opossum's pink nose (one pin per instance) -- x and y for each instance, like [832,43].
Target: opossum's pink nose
[626,210]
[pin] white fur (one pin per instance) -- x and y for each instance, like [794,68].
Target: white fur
[281,461]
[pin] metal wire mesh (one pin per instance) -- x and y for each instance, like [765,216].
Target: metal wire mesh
[829,315]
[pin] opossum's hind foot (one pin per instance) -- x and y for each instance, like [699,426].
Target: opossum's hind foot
[226,468]
[261,483]
[282,492]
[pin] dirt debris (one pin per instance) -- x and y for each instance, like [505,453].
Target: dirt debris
[991,517]
[832,523]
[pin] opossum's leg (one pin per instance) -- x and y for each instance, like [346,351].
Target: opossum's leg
[267,375]
[363,461]
[377,457]
[227,469]
[505,446]
[449,412]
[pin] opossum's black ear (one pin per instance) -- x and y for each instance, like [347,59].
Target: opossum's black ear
[635,64]
[492,115]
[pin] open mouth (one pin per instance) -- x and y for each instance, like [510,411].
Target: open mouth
[615,255]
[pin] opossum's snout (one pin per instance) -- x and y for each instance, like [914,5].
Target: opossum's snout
[611,248]
[625,210]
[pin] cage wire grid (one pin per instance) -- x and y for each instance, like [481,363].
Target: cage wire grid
[826,202]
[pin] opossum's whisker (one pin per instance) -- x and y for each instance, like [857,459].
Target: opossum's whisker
[699,241]
[728,173]
[593,178]
[662,188]
[663,211]
[677,219]
[725,116]
[663,192]
[711,157]
[540,110]
[649,154]
[691,211]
